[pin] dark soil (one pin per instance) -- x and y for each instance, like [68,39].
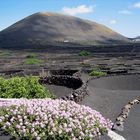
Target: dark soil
[108,95]
[59,91]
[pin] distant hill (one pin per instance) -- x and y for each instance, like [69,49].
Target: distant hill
[41,28]
[136,39]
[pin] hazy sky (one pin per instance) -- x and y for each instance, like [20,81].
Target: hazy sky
[122,16]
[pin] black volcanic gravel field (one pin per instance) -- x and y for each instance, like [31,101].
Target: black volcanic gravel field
[109,94]
[59,91]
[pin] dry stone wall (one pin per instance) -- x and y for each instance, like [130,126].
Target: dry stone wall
[77,84]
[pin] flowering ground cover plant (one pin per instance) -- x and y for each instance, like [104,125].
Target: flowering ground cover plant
[23,87]
[48,119]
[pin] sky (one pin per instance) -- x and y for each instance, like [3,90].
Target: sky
[123,16]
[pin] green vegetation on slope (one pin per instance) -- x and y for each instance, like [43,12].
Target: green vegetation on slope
[23,87]
[97,72]
[32,55]
[5,53]
[33,61]
[84,53]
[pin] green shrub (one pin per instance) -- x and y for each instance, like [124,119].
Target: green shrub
[84,53]
[97,73]
[32,55]
[33,61]
[23,87]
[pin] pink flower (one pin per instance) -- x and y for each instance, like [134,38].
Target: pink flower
[18,126]
[54,117]
[38,138]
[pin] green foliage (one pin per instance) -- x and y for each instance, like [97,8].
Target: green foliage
[5,53]
[84,53]
[96,72]
[23,87]
[33,61]
[32,55]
